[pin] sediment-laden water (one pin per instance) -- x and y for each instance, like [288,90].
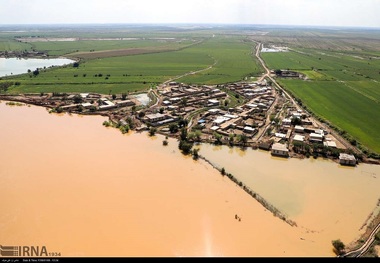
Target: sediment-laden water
[81,189]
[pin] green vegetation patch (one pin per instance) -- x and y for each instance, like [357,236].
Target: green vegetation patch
[234,61]
[217,61]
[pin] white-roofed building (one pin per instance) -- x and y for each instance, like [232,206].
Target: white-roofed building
[279,149]
[249,129]
[331,144]
[220,119]
[299,129]
[315,137]
[347,159]
[280,135]
[299,138]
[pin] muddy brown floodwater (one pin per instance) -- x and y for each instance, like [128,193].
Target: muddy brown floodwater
[81,189]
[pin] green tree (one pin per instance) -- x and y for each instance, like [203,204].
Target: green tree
[218,138]
[198,135]
[182,122]
[141,114]
[242,138]
[78,99]
[195,154]
[152,131]
[296,121]
[124,128]
[173,128]
[36,72]
[338,246]
[185,147]
[231,138]
[184,102]
[184,134]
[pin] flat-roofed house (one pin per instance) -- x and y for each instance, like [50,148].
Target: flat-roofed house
[330,144]
[212,102]
[279,149]
[155,117]
[299,138]
[347,159]
[315,137]
[249,129]
[299,129]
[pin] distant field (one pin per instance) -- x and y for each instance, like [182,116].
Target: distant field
[345,40]
[234,59]
[92,48]
[116,74]
[231,59]
[329,66]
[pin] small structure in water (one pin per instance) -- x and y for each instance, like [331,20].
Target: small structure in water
[280,149]
[347,159]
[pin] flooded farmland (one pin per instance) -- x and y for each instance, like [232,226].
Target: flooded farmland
[81,189]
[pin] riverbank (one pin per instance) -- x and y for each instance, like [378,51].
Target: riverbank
[119,115]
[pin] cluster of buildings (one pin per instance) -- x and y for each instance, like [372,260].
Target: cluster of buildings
[177,100]
[208,109]
[297,128]
[180,100]
[213,116]
[89,101]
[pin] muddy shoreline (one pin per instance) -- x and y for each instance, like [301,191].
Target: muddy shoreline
[43,100]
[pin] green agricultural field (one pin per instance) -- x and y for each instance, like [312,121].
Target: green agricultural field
[116,75]
[234,60]
[231,59]
[8,44]
[60,48]
[353,110]
[333,65]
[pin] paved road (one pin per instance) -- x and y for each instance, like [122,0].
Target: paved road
[364,248]
[298,107]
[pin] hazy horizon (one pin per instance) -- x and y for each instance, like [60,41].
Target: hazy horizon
[190,26]
[307,13]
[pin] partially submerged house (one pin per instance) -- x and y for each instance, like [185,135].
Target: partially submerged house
[280,149]
[347,159]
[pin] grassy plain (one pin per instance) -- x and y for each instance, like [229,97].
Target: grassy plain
[116,66]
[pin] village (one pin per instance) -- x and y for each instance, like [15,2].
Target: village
[251,114]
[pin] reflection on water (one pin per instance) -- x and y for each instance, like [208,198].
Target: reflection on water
[13,66]
[143,98]
[85,190]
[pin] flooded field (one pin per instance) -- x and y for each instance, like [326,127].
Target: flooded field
[81,189]
[319,195]
[14,66]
